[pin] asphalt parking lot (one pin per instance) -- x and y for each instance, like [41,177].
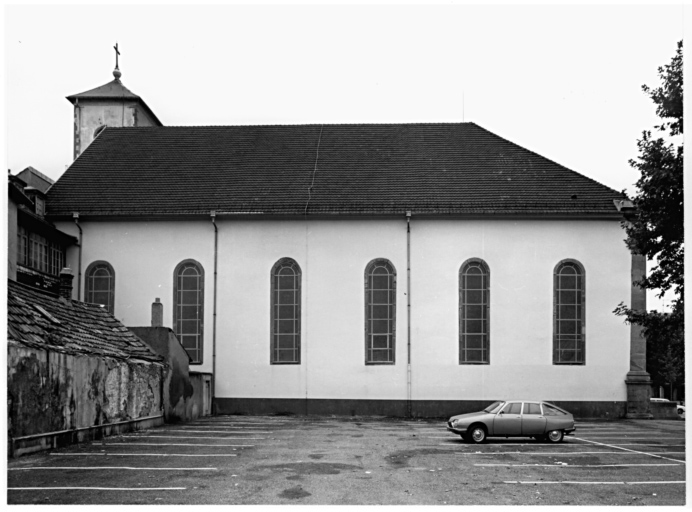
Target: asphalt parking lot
[358,461]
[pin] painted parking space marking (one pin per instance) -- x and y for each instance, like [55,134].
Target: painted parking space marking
[90,468]
[144,454]
[565,465]
[564,445]
[201,437]
[96,488]
[654,482]
[210,431]
[653,454]
[175,444]
[633,452]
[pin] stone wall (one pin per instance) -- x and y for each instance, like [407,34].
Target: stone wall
[51,392]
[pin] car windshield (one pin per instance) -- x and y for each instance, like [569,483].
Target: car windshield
[494,407]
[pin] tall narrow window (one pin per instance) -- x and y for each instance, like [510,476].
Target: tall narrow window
[474,337]
[380,312]
[285,315]
[188,309]
[568,326]
[100,284]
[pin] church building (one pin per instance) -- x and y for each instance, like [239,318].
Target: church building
[418,270]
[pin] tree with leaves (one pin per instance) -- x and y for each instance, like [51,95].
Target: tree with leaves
[656,230]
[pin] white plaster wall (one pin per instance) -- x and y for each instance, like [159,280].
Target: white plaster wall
[521,256]
[333,256]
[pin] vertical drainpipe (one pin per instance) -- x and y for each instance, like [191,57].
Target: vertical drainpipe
[409,405]
[213,345]
[75,216]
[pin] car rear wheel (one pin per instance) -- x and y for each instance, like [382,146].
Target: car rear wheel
[478,434]
[555,436]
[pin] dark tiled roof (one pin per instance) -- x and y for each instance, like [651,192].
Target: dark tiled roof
[361,169]
[39,320]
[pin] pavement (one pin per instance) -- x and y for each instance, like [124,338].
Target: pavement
[275,460]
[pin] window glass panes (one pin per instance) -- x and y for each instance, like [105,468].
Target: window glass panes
[568,330]
[188,308]
[100,284]
[474,337]
[285,312]
[380,312]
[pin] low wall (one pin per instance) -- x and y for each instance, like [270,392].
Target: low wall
[664,410]
[183,391]
[51,392]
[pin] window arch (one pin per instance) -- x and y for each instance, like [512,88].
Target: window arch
[380,312]
[188,308]
[474,310]
[568,313]
[100,284]
[285,312]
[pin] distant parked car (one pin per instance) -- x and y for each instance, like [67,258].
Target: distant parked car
[659,399]
[681,409]
[515,418]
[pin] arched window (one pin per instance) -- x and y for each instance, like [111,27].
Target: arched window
[474,328]
[100,284]
[568,316]
[285,315]
[380,312]
[188,307]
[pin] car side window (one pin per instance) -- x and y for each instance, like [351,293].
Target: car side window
[531,408]
[551,411]
[513,408]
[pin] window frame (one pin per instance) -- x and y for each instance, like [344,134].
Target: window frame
[486,311]
[581,301]
[176,272]
[274,304]
[368,335]
[88,284]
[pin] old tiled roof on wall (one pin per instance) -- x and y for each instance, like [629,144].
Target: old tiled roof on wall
[457,168]
[39,320]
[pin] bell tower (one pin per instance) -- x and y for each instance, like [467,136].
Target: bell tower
[111,104]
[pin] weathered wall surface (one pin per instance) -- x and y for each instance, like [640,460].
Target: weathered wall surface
[182,400]
[11,239]
[50,392]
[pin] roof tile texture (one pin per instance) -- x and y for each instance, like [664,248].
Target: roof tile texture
[457,168]
[39,320]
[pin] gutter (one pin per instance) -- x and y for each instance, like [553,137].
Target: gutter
[75,216]
[213,349]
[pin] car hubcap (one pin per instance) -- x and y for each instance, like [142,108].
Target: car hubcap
[554,435]
[478,434]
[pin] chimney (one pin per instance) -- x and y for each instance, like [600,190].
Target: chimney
[66,278]
[157,313]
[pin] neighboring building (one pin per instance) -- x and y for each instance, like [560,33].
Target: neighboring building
[74,372]
[399,269]
[36,249]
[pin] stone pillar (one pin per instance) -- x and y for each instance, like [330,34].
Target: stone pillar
[66,278]
[157,313]
[638,381]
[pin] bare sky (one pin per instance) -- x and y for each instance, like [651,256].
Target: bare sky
[562,81]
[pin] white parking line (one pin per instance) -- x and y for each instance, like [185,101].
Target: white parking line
[111,467]
[210,431]
[565,453]
[96,488]
[565,465]
[200,437]
[147,454]
[172,444]
[653,454]
[655,482]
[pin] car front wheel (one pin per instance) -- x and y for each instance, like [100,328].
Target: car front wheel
[555,436]
[478,434]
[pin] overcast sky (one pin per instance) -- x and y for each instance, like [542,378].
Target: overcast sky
[562,81]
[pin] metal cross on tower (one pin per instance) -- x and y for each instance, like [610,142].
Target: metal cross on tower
[116,55]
